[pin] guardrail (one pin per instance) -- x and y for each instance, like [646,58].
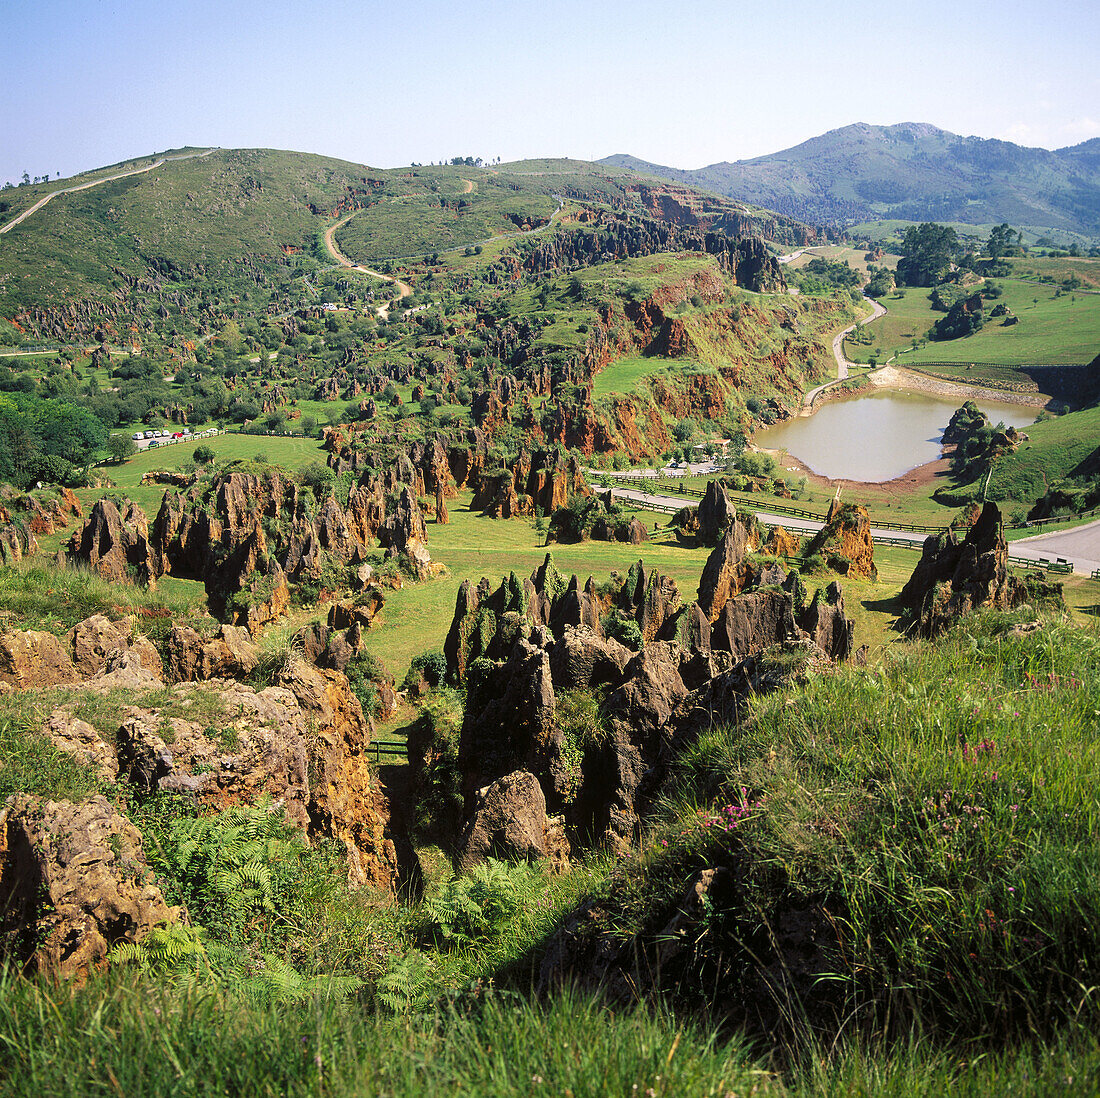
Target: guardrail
[387,749]
[667,485]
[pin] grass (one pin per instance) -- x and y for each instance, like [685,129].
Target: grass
[292,452]
[1054,447]
[1051,329]
[416,618]
[940,811]
[33,596]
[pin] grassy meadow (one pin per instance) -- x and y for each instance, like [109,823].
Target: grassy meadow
[1054,327]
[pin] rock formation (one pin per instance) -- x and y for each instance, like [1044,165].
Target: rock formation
[74,883]
[954,577]
[114,541]
[32,659]
[525,646]
[845,540]
[510,822]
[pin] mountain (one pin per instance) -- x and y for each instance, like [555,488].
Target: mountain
[912,172]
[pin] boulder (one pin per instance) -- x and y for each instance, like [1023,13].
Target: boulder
[752,622]
[95,640]
[582,659]
[509,822]
[32,659]
[74,883]
[192,658]
[782,544]
[78,738]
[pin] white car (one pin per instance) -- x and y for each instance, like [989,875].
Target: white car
[137,436]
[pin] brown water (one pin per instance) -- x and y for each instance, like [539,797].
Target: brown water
[878,436]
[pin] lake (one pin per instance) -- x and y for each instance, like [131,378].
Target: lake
[879,436]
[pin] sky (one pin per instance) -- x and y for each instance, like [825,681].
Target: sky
[86,83]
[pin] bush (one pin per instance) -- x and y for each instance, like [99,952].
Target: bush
[428,667]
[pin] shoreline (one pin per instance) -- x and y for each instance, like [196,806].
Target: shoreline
[898,377]
[904,380]
[920,476]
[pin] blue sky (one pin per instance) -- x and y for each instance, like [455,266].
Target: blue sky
[90,82]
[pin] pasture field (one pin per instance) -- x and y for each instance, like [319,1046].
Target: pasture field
[1054,327]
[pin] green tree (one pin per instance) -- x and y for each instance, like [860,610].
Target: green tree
[927,251]
[120,447]
[203,454]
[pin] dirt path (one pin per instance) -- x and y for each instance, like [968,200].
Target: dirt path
[96,182]
[469,186]
[403,288]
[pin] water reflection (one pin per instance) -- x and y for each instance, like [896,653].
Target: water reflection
[878,436]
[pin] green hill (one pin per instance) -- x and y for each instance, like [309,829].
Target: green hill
[913,172]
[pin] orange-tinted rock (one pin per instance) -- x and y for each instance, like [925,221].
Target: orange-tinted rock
[74,883]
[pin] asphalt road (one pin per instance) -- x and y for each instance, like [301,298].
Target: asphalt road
[1080,547]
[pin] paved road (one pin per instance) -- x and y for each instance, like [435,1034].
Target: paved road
[842,363]
[1082,543]
[1083,552]
[96,182]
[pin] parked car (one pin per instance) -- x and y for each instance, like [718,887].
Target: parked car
[137,436]
[150,434]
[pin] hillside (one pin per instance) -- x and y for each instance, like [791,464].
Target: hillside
[194,231]
[910,171]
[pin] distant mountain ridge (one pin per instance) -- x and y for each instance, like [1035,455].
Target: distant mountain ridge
[912,171]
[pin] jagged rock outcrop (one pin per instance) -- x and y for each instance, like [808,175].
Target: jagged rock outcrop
[114,541]
[404,532]
[525,647]
[954,577]
[782,544]
[74,883]
[33,659]
[193,658]
[727,571]
[845,540]
[303,740]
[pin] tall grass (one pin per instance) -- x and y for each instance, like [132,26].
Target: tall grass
[931,826]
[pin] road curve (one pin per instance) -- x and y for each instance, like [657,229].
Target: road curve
[96,182]
[842,362]
[1080,543]
[403,288]
[1083,553]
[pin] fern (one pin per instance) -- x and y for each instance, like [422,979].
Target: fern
[183,953]
[472,908]
[407,986]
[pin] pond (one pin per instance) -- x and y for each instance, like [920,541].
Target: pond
[879,436]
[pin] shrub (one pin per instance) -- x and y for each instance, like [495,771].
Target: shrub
[203,454]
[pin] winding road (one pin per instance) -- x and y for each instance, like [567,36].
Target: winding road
[1080,547]
[403,288]
[842,363]
[96,182]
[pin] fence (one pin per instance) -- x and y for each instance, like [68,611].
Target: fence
[648,484]
[387,749]
[669,487]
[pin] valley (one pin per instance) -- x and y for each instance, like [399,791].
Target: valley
[605,643]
